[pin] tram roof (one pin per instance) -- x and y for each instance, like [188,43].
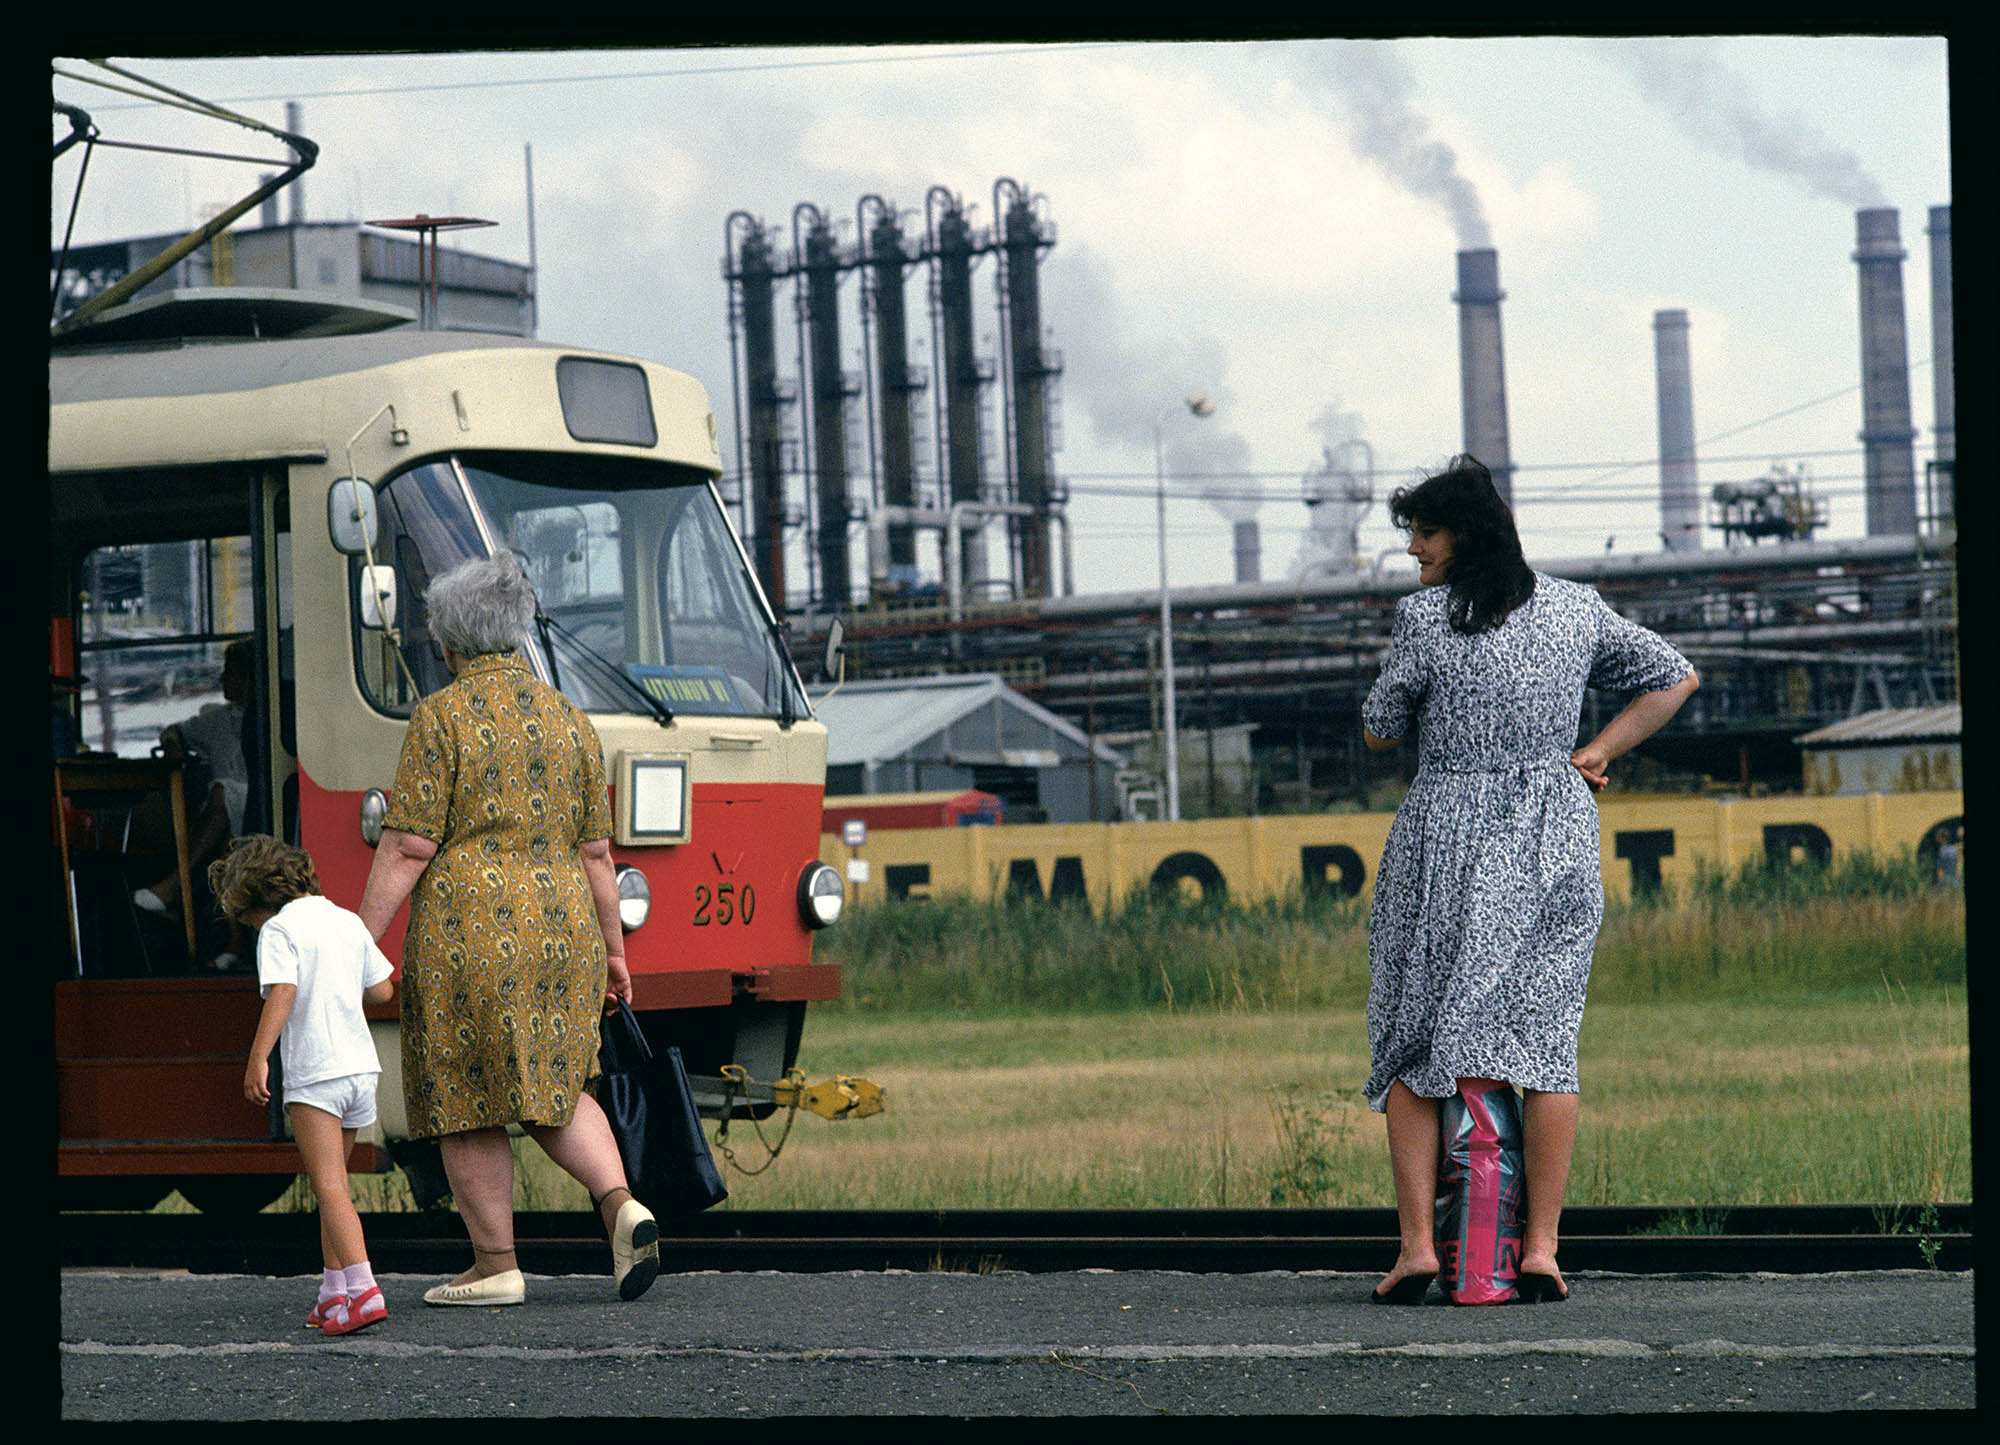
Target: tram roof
[189,367]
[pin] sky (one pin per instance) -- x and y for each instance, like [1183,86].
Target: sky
[1271,224]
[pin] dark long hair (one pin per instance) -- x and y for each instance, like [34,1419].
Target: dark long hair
[1487,574]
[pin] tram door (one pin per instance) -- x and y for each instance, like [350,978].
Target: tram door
[181,621]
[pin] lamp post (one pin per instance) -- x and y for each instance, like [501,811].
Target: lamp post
[1199,405]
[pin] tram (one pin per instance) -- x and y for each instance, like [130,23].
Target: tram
[288,472]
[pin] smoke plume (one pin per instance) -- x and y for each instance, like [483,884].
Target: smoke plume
[1376,91]
[1712,105]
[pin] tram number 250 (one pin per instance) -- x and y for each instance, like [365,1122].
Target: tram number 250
[725,903]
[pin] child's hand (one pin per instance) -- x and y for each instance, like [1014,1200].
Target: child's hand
[256,1086]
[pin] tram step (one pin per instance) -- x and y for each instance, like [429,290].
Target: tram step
[152,1017]
[156,1098]
[76,1158]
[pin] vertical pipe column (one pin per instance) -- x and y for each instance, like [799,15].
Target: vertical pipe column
[1942,393]
[821,265]
[1886,433]
[1680,498]
[766,543]
[899,465]
[295,123]
[1024,236]
[1482,369]
[1249,551]
[953,260]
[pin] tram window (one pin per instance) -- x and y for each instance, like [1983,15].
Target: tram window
[425,530]
[633,563]
[572,552]
[605,401]
[153,621]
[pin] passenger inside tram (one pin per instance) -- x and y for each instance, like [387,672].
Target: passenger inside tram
[212,742]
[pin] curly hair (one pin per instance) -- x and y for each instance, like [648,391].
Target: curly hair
[485,605]
[260,874]
[1487,574]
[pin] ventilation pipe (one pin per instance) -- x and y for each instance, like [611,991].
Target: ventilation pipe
[1886,432]
[1941,359]
[1680,496]
[1482,371]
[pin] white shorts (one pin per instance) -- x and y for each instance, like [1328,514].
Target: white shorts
[349,1098]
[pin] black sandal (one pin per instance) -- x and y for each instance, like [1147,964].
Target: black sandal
[1534,1288]
[1409,1290]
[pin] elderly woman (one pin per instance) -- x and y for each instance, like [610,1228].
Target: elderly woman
[498,834]
[1488,899]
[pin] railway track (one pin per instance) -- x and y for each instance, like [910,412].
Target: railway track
[1783,1239]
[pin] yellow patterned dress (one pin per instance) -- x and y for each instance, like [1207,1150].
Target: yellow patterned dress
[503,959]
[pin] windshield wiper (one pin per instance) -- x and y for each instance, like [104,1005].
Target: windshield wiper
[604,668]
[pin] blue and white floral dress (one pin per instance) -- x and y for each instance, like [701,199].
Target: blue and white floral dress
[1490,891]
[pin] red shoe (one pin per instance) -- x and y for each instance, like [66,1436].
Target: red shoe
[323,1308]
[362,1311]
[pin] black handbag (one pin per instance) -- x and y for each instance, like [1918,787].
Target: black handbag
[668,1166]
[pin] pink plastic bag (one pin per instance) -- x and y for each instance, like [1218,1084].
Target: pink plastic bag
[1480,1188]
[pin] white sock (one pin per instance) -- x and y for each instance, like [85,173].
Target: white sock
[360,1279]
[331,1283]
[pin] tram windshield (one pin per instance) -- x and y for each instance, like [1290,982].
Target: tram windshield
[642,582]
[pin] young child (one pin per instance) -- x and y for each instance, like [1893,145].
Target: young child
[316,966]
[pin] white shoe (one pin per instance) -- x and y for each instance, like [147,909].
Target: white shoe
[506,1288]
[635,1249]
[147,899]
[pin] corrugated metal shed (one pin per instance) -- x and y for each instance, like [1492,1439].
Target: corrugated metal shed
[1887,725]
[966,730]
[1889,750]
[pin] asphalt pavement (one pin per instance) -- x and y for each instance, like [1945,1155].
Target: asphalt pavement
[154,1346]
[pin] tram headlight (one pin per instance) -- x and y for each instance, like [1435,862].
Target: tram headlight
[635,897]
[821,896]
[374,809]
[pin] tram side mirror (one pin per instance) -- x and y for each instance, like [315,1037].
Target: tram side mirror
[833,658]
[350,515]
[378,597]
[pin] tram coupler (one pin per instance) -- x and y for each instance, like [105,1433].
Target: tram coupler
[844,1096]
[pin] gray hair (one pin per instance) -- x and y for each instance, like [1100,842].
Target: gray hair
[485,605]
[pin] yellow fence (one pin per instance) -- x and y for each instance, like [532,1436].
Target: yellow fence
[1640,840]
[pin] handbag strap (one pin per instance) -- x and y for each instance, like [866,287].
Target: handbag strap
[633,1050]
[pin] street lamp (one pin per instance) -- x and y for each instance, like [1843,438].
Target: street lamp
[1199,405]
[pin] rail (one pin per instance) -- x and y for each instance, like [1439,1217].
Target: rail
[1722,1239]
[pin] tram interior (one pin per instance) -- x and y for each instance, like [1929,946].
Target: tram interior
[166,694]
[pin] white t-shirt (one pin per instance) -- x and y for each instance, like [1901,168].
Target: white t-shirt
[326,953]
[216,732]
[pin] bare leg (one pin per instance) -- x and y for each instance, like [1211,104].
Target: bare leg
[480,1165]
[324,1146]
[588,1152]
[1548,1138]
[1413,1163]
[210,836]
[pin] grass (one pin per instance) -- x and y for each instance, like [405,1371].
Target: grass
[1756,1039]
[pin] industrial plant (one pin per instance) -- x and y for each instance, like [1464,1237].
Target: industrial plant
[916,500]
[1791,631]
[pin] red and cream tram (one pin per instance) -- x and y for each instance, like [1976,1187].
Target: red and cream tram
[214,480]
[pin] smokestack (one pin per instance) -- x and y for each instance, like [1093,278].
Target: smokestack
[1249,553]
[1886,433]
[1481,367]
[1680,497]
[1944,415]
[295,123]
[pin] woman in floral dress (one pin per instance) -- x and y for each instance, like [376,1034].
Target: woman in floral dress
[498,834]
[1490,891]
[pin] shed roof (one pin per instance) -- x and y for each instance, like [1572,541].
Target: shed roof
[874,721]
[1887,725]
